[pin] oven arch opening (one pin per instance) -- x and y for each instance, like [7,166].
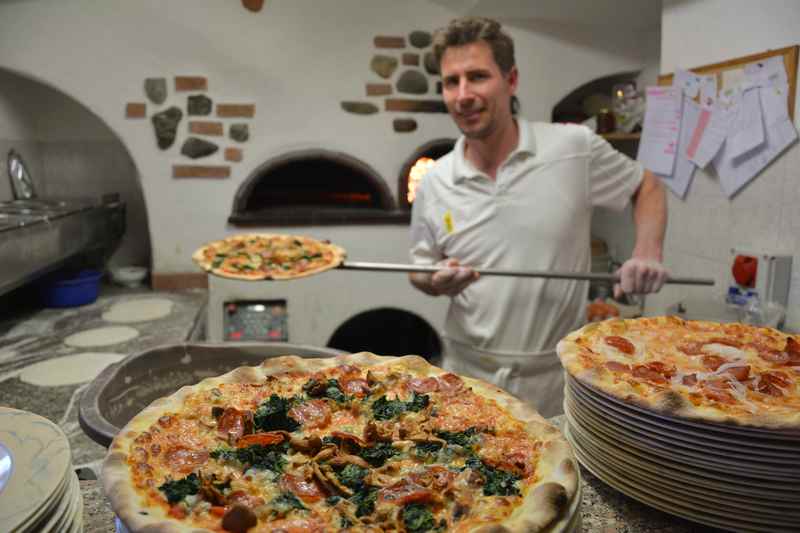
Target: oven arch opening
[388,331]
[431,150]
[314,186]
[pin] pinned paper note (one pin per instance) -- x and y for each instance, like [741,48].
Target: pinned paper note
[662,121]
[678,182]
[687,81]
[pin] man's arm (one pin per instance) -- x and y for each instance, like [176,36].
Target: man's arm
[643,272]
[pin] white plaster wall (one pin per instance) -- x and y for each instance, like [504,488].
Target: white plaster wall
[765,214]
[296,60]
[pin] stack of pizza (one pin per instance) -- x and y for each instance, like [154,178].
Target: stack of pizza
[358,443]
[695,418]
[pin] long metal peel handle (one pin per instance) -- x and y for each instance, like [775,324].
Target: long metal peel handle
[589,276]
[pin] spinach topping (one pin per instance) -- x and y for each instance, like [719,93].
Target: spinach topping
[352,476]
[284,503]
[330,389]
[496,482]
[418,518]
[377,455]
[461,438]
[427,449]
[364,500]
[333,500]
[255,456]
[272,415]
[177,490]
[383,409]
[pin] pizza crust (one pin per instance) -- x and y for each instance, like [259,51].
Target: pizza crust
[544,508]
[666,403]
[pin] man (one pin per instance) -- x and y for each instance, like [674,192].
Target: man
[519,195]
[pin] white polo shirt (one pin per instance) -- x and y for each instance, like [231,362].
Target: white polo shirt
[536,215]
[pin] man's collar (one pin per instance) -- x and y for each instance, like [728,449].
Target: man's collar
[463,169]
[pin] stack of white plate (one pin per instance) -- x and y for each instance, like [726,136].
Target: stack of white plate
[39,492]
[736,478]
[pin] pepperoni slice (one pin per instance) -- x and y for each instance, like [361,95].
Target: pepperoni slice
[618,367]
[183,459]
[792,346]
[741,373]
[691,348]
[263,439]
[776,378]
[773,356]
[450,383]
[725,341]
[308,491]
[718,391]
[661,368]
[423,385]
[643,372]
[690,380]
[233,422]
[404,492]
[312,414]
[355,386]
[621,343]
[713,362]
[434,477]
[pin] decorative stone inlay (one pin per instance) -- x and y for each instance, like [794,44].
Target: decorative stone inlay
[431,67]
[240,132]
[204,127]
[135,110]
[388,41]
[404,125]
[412,82]
[156,90]
[233,154]
[200,171]
[378,89]
[166,126]
[420,39]
[419,106]
[196,148]
[191,83]
[360,108]
[236,110]
[383,66]
[411,59]
[199,104]
[253,5]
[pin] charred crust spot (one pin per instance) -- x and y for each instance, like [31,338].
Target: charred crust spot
[670,402]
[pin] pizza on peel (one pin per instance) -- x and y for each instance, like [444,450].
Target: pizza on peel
[359,443]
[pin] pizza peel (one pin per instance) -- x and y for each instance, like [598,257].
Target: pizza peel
[550,274]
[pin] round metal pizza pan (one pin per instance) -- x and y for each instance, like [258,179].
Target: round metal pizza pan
[755,502]
[698,447]
[785,443]
[747,432]
[666,505]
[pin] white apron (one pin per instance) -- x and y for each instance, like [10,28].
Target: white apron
[536,378]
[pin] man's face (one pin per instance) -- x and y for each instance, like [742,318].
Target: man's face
[477,94]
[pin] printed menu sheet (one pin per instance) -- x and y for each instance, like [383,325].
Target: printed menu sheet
[662,122]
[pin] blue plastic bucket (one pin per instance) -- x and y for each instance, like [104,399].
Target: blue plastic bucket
[70,289]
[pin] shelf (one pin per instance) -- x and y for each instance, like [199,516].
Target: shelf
[621,136]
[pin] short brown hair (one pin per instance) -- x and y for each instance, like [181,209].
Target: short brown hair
[468,30]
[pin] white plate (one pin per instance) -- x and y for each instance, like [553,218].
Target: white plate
[688,494]
[667,506]
[39,461]
[658,463]
[696,454]
[744,449]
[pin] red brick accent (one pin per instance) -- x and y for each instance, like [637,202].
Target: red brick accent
[233,154]
[180,281]
[253,5]
[386,41]
[191,83]
[236,110]
[202,127]
[421,106]
[411,59]
[200,171]
[379,89]
[135,110]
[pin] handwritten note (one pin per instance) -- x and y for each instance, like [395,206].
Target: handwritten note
[681,178]
[662,122]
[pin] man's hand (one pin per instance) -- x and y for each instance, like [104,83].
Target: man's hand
[640,276]
[452,278]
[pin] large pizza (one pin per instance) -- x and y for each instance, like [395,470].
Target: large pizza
[724,373]
[359,443]
[259,256]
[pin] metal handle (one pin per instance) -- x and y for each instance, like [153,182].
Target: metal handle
[590,276]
